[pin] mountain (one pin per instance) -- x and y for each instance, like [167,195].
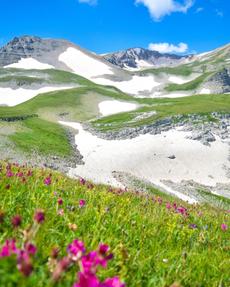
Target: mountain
[138,72]
[139,58]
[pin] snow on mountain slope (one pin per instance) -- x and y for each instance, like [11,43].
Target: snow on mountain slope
[137,85]
[83,64]
[29,63]
[11,97]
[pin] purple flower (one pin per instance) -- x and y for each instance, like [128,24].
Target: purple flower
[47,180]
[30,249]
[82,181]
[192,226]
[39,216]
[60,201]
[16,220]
[224,226]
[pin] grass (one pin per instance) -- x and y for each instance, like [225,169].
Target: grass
[192,85]
[182,70]
[44,137]
[200,104]
[152,245]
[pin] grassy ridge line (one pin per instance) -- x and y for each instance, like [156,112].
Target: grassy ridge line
[153,245]
[192,85]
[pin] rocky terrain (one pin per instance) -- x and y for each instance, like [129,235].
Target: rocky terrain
[201,127]
[136,58]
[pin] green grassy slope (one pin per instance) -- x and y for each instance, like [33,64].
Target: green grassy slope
[202,104]
[153,244]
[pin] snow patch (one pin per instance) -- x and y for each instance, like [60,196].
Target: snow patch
[147,157]
[30,63]
[83,64]
[107,108]
[10,97]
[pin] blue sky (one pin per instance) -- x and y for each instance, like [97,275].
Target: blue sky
[109,25]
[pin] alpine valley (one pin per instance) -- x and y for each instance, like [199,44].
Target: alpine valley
[134,119]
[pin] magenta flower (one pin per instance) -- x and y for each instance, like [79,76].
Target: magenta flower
[224,226]
[39,216]
[24,264]
[61,212]
[76,248]
[81,202]
[8,248]
[87,280]
[29,173]
[30,249]
[16,220]
[113,282]
[103,248]
[47,180]
[9,173]
[19,174]
[168,205]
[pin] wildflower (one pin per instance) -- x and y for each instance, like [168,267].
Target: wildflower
[47,180]
[192,226]
[61,267]
[165,260]
[8,248]
[39,216]
[60,201]
[159,200]
[61,212]
[19,174]
[30,249]
[81,202]
[76,249]
[24,263]
[29,173]
[103,248]
[9,173]
[82,181]
[87,280]
[224,226]
[72,226]
[16,220]
[7,186]
[113,282]
[168,205]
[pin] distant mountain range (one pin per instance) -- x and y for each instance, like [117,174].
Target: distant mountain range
[135,71]
[139,58]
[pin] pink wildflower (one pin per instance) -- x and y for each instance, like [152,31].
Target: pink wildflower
[113,282]
[76,249]
[60,201]
[224,226]
[81,202]
[82,181]
[16,221]
[47,180]
[87,280]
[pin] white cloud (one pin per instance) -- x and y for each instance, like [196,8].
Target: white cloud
[159,8]
[90,2]
[168,48]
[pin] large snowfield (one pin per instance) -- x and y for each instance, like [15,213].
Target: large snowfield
[147,157]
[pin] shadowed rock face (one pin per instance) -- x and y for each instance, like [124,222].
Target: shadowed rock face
[30,46]
[220,82]
[129,58]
